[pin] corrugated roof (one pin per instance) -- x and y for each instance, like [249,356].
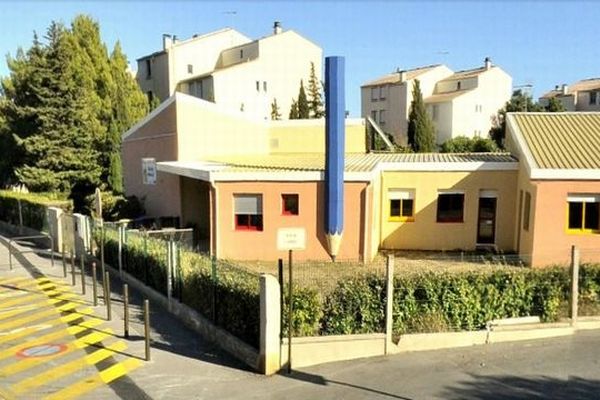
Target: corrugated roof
[394,77]
[568,140]
[353,162]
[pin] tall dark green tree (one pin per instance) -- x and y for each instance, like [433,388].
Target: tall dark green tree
[60,154]
[519,102]
[294,110]
[275,114]
[303,109]
[421,131]
[315,98]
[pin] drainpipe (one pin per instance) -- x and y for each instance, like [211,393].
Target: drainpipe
[214,229]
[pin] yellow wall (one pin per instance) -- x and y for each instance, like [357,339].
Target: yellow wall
[424,232]
[308,136]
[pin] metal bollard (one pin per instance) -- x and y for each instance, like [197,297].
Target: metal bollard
[147,327]
[64,262]
[72,269]
[83,274]
[94,284]
[126,310]
[107,295]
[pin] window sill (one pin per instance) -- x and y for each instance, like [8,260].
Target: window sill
[583,232]
[401,219]
[451,222]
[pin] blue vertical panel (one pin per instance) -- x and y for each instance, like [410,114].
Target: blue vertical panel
[335,109]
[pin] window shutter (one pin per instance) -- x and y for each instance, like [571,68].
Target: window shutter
[248,204]
[399,194]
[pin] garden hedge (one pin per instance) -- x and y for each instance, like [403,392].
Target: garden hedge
[33,207]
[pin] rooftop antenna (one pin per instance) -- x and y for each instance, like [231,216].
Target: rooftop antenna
[231,14]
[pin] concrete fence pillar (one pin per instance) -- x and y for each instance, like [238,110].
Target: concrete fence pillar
[389,305]
[270,320]
[574,300]
[82,236]
[54,215]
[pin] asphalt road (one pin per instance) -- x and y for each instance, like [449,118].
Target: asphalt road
[561,368]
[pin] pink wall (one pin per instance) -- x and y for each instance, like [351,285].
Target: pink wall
[253,245]
[155,139]
[551,242]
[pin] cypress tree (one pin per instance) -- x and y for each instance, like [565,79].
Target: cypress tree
[315,102]
[275,114]
[303,110]
[294,110]
[421,132]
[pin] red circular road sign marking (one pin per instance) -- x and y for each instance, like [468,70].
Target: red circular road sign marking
[42,350]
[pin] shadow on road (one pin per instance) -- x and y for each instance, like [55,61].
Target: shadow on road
[320,380]
[530,388]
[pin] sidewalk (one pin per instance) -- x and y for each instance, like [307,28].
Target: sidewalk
[182,364]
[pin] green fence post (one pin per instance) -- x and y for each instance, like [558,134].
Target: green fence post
[145,258]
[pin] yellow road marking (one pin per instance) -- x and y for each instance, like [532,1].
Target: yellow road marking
[71,330]
[24,331]
[31,297]
[80,343]
[28,307]
[68,368]
[23,287]
[88,384]
[13,280]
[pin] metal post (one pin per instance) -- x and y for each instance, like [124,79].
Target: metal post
[126,310]
[290,313]
[102,246]
[281,289]
[107,295]
[73,282]
[64,262]
[147,327]
[94,284]
[51,251]
[574,284]
[214,277]
[170,258]
[121,238]
[10,255]
[20,216]
[83,273]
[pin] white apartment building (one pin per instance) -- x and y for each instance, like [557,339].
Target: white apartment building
[460,104]
[583,95]
[231,70]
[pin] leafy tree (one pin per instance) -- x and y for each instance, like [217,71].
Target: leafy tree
[519,102]
[463,144]
[275,114]
[303,109]
[555,105]
[421,132]
[315,99]
[294,110]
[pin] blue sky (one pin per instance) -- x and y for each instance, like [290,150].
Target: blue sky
[541,43]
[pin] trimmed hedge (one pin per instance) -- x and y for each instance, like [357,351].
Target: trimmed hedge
[230,297]
[436,302]
[33,207]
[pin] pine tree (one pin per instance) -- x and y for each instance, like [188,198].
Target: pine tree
[303,110]
[421,132]
[61,156]
[315,99]
[294,110]
[275,114]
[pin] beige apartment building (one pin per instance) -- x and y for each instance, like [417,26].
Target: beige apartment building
[583,95]
[460,104]
[230,69]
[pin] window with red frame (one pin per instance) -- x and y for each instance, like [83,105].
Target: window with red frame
[289,204]
[248,212]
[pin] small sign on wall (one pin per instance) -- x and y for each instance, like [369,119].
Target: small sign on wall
[291,239]
[149,171]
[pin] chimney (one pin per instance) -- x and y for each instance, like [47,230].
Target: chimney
[167,41]
[175,40]
[488,63]
[565,89]
[277,28]
[557,88]
[402,75]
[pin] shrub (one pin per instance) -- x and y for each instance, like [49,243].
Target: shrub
[307,311]
[463,144]
[116,207]
[33,207]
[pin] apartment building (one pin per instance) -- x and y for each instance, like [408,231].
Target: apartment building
[228,68]
[460,103]
[583,95]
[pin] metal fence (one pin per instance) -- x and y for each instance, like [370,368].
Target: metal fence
[163,260]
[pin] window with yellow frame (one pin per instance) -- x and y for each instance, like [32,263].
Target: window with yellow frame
[402,205]
[583,213]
